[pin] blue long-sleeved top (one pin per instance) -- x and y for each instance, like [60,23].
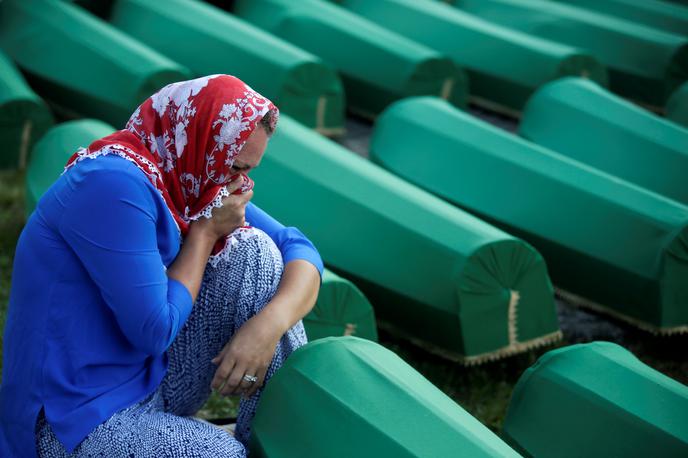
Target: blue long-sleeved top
[92,310]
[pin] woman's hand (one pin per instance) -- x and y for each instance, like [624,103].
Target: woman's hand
[191,260]
[249,352]
[253,346]
[230,216]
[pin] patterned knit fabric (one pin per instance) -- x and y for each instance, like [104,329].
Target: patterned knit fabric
[160,426]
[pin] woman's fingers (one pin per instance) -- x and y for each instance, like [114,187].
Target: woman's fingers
[235,183]
[218,359]
[233,381]
[232,214]
[221,374]
[236,384]
[245,197]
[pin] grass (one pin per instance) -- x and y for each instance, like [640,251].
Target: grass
[11,223]
[484,391]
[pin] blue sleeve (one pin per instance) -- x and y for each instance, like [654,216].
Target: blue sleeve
[110,223]
[290,241]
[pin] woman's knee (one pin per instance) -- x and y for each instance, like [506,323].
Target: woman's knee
[251,264]
[256,250]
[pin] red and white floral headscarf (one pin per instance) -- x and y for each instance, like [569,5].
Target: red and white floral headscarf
[185,138]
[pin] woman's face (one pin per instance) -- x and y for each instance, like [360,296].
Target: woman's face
[251,153]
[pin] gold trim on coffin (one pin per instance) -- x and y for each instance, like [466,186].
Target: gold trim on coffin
[320,120]
[513,348]
[24,145]
[494,107]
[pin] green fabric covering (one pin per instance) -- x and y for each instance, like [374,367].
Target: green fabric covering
[644,64]
[581,120]
[341,310]
[81,62]
[23,116]
[51,153]
[597,400]
[349,397]
[652,13]
[209,41]
[505,66]
[377,65]
[610,241]
[435,272]
[677,107]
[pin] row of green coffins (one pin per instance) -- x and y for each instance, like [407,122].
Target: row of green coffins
[657,14]
[377,66]
[84,65]
[342,389]
[351,397]
[341,308]
[81,63]
[435,273]
[462,286]
[108,76]
[581,120]
[24,117]
[605,239]
[644,63]
[505,66]
[208,40]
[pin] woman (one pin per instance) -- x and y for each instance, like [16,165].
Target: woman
[138,286]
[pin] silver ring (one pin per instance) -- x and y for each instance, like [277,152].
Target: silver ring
[250,378]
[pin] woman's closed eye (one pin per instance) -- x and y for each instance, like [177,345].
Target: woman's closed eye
[240,168]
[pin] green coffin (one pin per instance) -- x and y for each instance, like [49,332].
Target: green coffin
[603,238]
[435,273]
[579,119]
[51,153]
[660,15]
[81,62]
[377,66]
[677,106]
[597,400]
[23,116]
[348,397]
[210,41]
[341,310]
[505,66]
[644,64]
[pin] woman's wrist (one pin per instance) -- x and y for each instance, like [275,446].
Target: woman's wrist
[275,318]
[192,258]
[202,230]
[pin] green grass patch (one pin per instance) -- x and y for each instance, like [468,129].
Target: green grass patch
[11,223]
